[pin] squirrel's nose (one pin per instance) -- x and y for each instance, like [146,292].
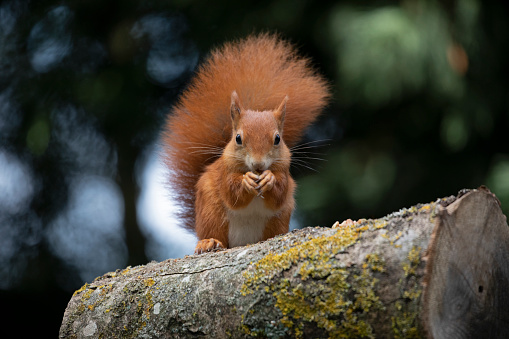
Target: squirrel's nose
[258,164]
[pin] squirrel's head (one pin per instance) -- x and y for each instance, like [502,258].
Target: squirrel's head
[257,137]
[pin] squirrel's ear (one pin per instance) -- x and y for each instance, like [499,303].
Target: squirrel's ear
[235,109]
[280,112]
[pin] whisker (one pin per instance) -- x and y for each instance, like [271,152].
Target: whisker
[205,147]
[212,157]
[206,150]
[205,153]
[310,144]
[198,143]
[304,165]
[236,200]
[308,147]
[297,160]
[310,158]
[307,152]
[314,141]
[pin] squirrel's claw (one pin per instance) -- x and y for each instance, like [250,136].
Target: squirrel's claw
[207,245]
[249,183]
[267,182]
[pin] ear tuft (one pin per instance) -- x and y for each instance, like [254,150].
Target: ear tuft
[235,109]
[280,112]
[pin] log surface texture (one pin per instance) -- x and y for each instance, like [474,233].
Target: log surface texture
[361,279]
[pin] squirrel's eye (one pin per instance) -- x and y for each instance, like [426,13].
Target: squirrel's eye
[238,139]
[277,139]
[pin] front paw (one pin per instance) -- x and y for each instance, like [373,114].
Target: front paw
[207,245]
[250,182]
[266,182]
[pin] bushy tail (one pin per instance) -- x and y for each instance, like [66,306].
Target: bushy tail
[262,69]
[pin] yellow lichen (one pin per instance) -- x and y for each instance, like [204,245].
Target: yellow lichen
[331,294]
[87,294]
[404,326]
[380,223]
[149,304]
[394,239]
[334,299]
[81,308]
[82,288]
[405,323]
[413,261]
[375,262]
[149,282]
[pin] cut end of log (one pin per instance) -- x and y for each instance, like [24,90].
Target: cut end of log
[467,272]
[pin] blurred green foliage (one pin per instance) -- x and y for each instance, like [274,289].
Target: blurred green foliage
[418,123]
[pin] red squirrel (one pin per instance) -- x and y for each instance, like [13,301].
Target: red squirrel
[227,142]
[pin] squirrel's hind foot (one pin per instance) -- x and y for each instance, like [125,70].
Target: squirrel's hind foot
[207,245]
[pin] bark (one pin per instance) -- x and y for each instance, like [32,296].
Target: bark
[358,279]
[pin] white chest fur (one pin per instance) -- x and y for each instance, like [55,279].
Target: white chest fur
[246,225]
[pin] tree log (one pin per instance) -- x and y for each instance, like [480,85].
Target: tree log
[367,278]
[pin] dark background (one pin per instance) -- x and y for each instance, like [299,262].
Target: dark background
[420,111]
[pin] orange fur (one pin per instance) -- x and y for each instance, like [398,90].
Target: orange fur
[263,70]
